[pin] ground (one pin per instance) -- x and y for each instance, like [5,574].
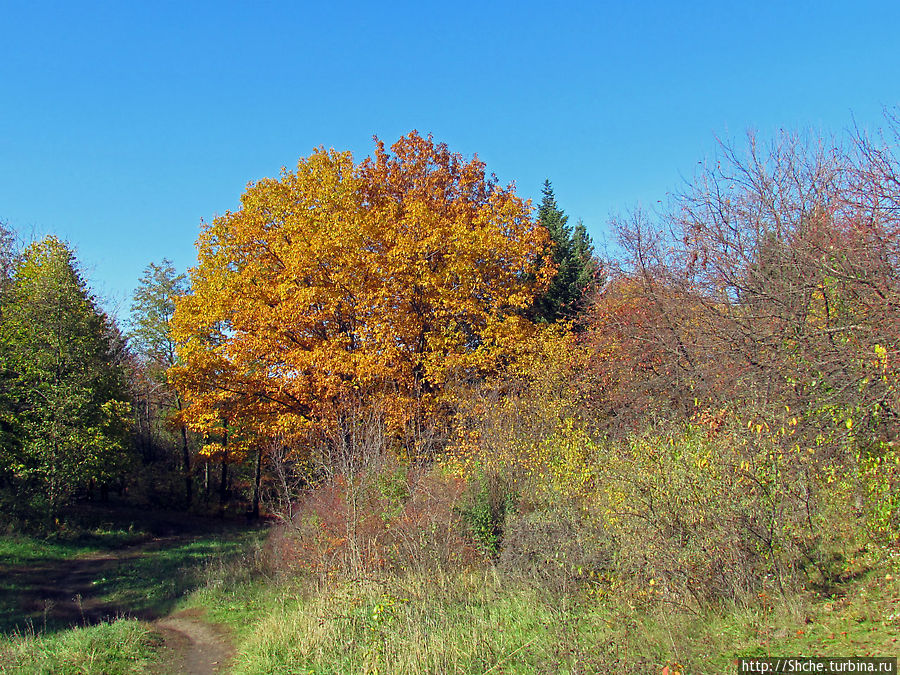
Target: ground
[139,573]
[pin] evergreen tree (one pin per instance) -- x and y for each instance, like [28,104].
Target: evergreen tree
[67,383]
[572,255]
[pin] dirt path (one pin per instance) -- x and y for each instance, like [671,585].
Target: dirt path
[58,594]
[67,593]
[193,646]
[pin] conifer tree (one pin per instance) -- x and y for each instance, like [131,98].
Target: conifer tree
[572,255]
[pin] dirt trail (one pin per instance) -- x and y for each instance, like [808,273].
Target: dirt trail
[194,647]
[65,593]
[61,593]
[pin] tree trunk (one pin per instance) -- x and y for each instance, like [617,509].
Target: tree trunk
[149,453]
[223,484]
[223,487]
[186,462]
[257,483]
[186,465]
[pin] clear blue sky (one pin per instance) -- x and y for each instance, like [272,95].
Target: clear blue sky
[123,124]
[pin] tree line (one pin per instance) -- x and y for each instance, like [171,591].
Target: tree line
[713,407]
[337,286]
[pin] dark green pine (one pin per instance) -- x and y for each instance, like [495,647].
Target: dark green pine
[572,255]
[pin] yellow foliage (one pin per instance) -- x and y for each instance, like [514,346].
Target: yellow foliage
[338,282]
[525,426]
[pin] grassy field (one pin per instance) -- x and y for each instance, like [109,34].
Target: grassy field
[476,620]
[480,622]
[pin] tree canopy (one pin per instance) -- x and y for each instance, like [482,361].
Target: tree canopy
[65,378]
[152,309]
[378,281]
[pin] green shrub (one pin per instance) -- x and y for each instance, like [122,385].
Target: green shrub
[484,510]
[696,516]
[394,490]
[880,476]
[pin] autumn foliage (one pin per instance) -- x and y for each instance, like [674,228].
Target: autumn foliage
[725,422]
[341,282]
[773,281]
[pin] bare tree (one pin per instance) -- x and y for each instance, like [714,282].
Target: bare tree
[775,274]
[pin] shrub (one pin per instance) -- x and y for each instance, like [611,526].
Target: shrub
[428,536]
[559,547]
[386,516]
[696,517]
[880,477]
[488,501]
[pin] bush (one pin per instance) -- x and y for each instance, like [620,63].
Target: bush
[880,474]
[696,517]
[488,501]
[428,536]
[386,515]
[558,547]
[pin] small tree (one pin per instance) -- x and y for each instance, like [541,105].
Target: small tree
[152,309]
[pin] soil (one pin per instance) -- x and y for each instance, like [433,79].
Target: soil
[193,645]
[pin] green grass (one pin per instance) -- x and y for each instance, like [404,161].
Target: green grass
[480,622]
[397,625]
[154,582]
[105,649]
[147,582]
[24,560]
[23,550]
[473,623]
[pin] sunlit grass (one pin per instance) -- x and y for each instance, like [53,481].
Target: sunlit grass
[154,581]
[23,550]
[115,648]
[481,622]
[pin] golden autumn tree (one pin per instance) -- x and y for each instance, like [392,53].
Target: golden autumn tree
[342,284]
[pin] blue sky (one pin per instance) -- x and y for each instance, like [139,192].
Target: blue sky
[123,124]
